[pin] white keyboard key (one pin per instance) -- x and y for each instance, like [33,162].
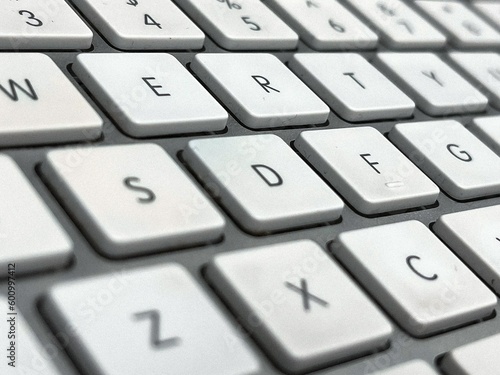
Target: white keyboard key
[42,24]
[415,367]
[29,356]
[132,199]
[464,27]
[414,276]
[260,90]
[436,88]
[241,24]
[488,9]
[262,182]
[369,172]
[399,25]
[153,320]
[142,25]
[150,94]
[38,104]
[475,236]
[325,24]
[484,69]
[352,86]
[477,358]
[304,309]
[488,130]
[30,236]
[451,155]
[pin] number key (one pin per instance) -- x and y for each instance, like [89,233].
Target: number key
[399,25]
[143,25]
[241,24]
[465,28]
[46,24]
[325,24]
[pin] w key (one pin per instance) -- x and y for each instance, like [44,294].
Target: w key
[38,104]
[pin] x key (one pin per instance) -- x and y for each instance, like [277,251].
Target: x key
[306,295]
[298,341]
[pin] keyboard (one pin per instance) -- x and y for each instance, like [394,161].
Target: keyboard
[229,187]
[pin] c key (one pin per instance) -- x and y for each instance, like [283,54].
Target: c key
[414,276]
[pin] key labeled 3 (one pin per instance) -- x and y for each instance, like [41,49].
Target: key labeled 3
[150,94]
[262,182]
[41,24]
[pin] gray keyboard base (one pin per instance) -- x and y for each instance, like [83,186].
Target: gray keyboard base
[32,288]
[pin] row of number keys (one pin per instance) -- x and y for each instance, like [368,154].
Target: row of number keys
[244,24]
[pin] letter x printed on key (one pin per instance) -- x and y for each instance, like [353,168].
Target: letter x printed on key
[306,295]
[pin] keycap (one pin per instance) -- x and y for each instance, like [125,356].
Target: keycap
[131,199]
[464,27]
[477,358]
[150,94]
[262,182]
[23,352]
[366,169]
[150,320]
[434,86]
[488,130]
[259,90]
[45,24]
[488,9]
[451,156]
[474,236]
[351,86]
[416,367]
[483,69]
[325,24]
[241,24]
[38,104]
[414,277]
[399,25]
[142,25]
[304,310]
[30,236]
